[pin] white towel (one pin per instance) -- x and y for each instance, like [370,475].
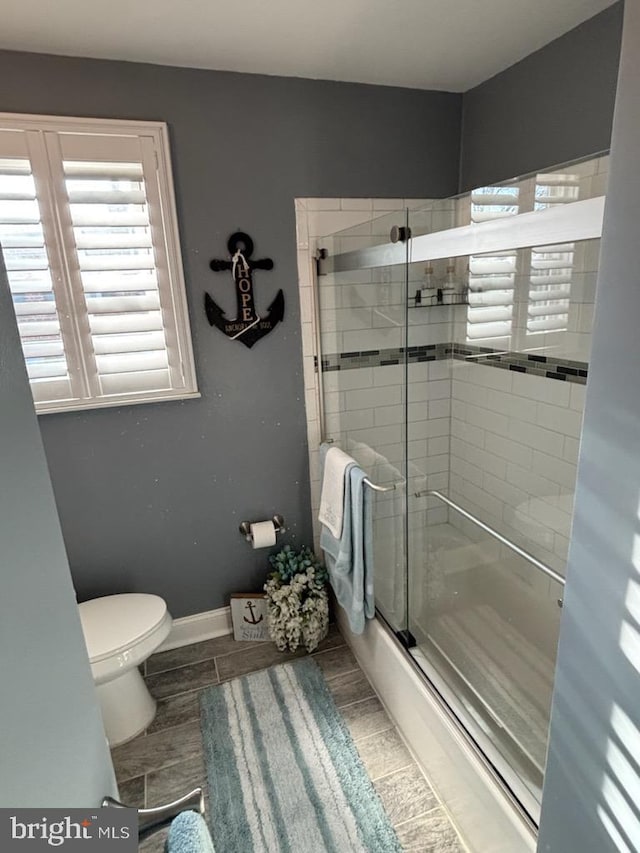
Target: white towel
[332,496]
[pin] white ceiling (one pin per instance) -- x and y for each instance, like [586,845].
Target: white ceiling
[449,45]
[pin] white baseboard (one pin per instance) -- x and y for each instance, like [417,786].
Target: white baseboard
[479,808]
[198,627]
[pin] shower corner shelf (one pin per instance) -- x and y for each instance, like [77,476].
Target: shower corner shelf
[435,300]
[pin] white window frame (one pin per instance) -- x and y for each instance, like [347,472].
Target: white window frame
[154,139]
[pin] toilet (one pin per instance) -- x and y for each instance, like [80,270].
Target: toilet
[121,632]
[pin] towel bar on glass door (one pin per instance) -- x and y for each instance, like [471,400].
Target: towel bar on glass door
[376,488]
[542,567]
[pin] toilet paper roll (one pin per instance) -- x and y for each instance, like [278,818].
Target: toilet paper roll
[263,534]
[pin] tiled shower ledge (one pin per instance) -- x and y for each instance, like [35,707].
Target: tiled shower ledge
[562,369]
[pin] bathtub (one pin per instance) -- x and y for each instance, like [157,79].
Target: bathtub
[483,811]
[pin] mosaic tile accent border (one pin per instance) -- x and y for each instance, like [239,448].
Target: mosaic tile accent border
[561,369]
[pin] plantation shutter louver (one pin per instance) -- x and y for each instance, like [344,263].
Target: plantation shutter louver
[551,267]
[492,277]
[111,326]
[31,271]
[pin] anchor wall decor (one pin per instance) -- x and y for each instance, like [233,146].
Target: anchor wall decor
[248,327]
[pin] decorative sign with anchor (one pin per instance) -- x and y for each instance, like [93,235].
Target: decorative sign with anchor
[248,327]
[249,616]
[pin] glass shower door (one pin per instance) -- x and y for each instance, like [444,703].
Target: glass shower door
[486,624]
[490,499]
[363,346]
[458,384]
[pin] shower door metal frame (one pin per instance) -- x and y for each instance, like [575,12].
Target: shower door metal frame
[572,222]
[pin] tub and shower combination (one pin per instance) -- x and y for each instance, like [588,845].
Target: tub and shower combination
[451,344]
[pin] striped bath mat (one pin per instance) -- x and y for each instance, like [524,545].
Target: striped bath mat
[284,774]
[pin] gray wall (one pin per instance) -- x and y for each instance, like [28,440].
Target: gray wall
[592,770]
[553,106]
[52,744]
[150,497]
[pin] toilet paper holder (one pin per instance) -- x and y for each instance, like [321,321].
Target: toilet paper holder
[278,523]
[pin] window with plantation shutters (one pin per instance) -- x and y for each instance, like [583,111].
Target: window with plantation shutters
[514,295]
[551,267]
[90,245]
[492,277]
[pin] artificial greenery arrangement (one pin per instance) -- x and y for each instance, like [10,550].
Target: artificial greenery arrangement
[297,600]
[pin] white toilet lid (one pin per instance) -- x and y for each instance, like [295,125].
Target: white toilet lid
[114,622]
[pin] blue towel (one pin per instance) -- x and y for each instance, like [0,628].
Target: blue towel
[188,833]
[349,559]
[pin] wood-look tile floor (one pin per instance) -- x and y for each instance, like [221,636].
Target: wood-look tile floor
[167,761]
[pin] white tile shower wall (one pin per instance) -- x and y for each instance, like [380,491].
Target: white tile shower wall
[363,405]
[504,444]
[514,450]
[316,217]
